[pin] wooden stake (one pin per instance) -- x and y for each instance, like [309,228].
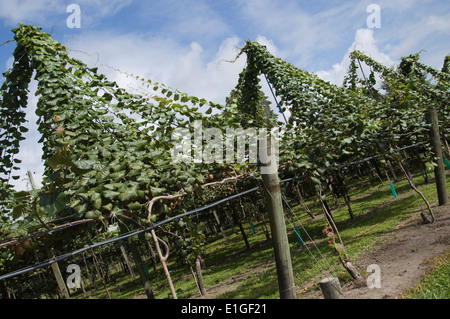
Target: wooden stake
[331,288]
[127,261]
[58,276]
[439,170]
[282,252]
[55,267]
[140,267]
[201,283]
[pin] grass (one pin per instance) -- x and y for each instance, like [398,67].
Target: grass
[252,272]
[436,284]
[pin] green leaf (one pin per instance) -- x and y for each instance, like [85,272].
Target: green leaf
[93,214]
[346,141]
[156,191]
[128,195]
[58,161]
[108,207]
[135,206]
[17,211]
[97,203]
[110,194]
[84,164]
[52,203]
[21,196]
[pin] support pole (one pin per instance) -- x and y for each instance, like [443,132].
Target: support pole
[58,276]
[331,288]
[201,283]
[55,267]
[140,267]
[277,224]
[439,170]
[127,261]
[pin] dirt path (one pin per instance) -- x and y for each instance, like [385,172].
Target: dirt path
[233,282]
[403,257]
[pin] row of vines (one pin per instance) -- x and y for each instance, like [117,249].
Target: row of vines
[108,152]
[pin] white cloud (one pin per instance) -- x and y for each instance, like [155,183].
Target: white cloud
[48,12]
[440,24]
[271,47]
[186,68]
[364,42]
[302,33]
[27,11]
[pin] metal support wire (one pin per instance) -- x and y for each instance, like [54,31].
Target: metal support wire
[68,255]
[275,98]
[125,236]
[307,248]
[365,80]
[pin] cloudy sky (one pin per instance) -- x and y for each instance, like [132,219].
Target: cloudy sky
[186,43]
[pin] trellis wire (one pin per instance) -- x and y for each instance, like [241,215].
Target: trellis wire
[312,241]
[121,237]
[125,236]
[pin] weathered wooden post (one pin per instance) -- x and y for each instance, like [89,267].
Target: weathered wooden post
[58,276]
[439,170]
[331,288]
[274,204]
[55,267]
[127,261]
[140,267]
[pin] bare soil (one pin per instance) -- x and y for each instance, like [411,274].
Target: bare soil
[403,257]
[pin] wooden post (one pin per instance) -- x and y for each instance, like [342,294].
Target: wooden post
[55,267]
[201,283]
[331,288]
[439,170]
[127,261]
[274,204]
[220,225]
[57,273]
[140,267]
[237,221]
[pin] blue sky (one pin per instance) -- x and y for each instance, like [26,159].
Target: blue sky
[185,44]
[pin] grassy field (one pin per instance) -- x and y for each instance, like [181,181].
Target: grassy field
[235,273]
[436,284]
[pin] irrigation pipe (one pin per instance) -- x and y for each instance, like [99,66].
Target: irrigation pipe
[144,230]
[118,238]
